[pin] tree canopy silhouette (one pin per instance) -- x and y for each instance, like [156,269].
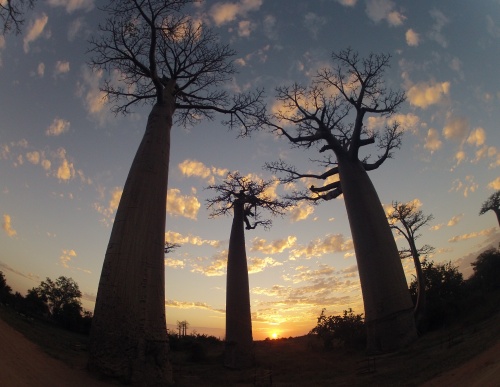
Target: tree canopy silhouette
[492,204]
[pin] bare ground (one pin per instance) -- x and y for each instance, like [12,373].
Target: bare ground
[23,363]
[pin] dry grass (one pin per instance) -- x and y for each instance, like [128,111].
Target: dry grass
[298,361]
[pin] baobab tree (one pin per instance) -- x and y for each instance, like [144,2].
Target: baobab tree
[406,219]
[12,14]
[246,198]
[493,204]
[164,58]
[329,114]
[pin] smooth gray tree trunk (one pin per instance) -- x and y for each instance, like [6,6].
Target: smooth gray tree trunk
[388,307]
[239,342]
[128,338]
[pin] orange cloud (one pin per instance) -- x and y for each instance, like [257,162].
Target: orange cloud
[182,205]
[425,94]
[471,235]
[7,226]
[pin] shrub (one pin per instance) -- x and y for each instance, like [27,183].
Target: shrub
[347,330]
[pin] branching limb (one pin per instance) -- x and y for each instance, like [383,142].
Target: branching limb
[252,194]
[12,14]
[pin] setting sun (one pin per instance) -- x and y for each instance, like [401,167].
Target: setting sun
[274,335]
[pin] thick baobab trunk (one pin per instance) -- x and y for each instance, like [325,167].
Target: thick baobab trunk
[388,306]
[239,341]
[128,338]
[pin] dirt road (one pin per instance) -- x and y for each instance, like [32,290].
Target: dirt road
[24,364]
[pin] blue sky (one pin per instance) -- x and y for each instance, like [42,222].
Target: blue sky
[64,156]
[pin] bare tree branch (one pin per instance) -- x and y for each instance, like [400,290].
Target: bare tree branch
[12,14]
[254,195]
[150,44]
[317,115]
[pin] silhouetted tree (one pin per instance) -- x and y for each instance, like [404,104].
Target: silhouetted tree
[12,14]
[330,114]
[444,288]
[5,290]
[407,220]
[486,268]
[169,60]
[34,304]
[62,297]
[182,326]
[347,330]
[245,197]
[493,204]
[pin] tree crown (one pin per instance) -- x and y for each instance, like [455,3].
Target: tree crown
[153,49]
[406,219]
[252,193]
[492,203]
[329,114]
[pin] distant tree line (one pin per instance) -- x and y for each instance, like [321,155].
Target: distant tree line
[450,299]
[56,301]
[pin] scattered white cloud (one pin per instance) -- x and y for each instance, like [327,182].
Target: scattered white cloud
[58,127]
[61,67]
[256,265]
[182,205]
[215,266]
[425,94]
[196,168]
[66,257]
[245,28]
[412,38]
[177,238]
[440,20]
[275,247]
[477,137]
[456,128]
[7,226]
[347,3]
[492,27]
[301,212]
[174,263]
[93,98]
[495,184]
[72,5]
[40,70]
[472,235]
[432,141]
[223,13]
[314,23]
[465,186]
[378,10]
[332,243]
[455,220]
[74,28]
[110,208]
[35,30]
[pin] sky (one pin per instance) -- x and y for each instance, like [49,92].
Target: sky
[64,156]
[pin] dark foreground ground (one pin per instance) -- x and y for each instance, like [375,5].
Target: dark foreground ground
[459,356]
